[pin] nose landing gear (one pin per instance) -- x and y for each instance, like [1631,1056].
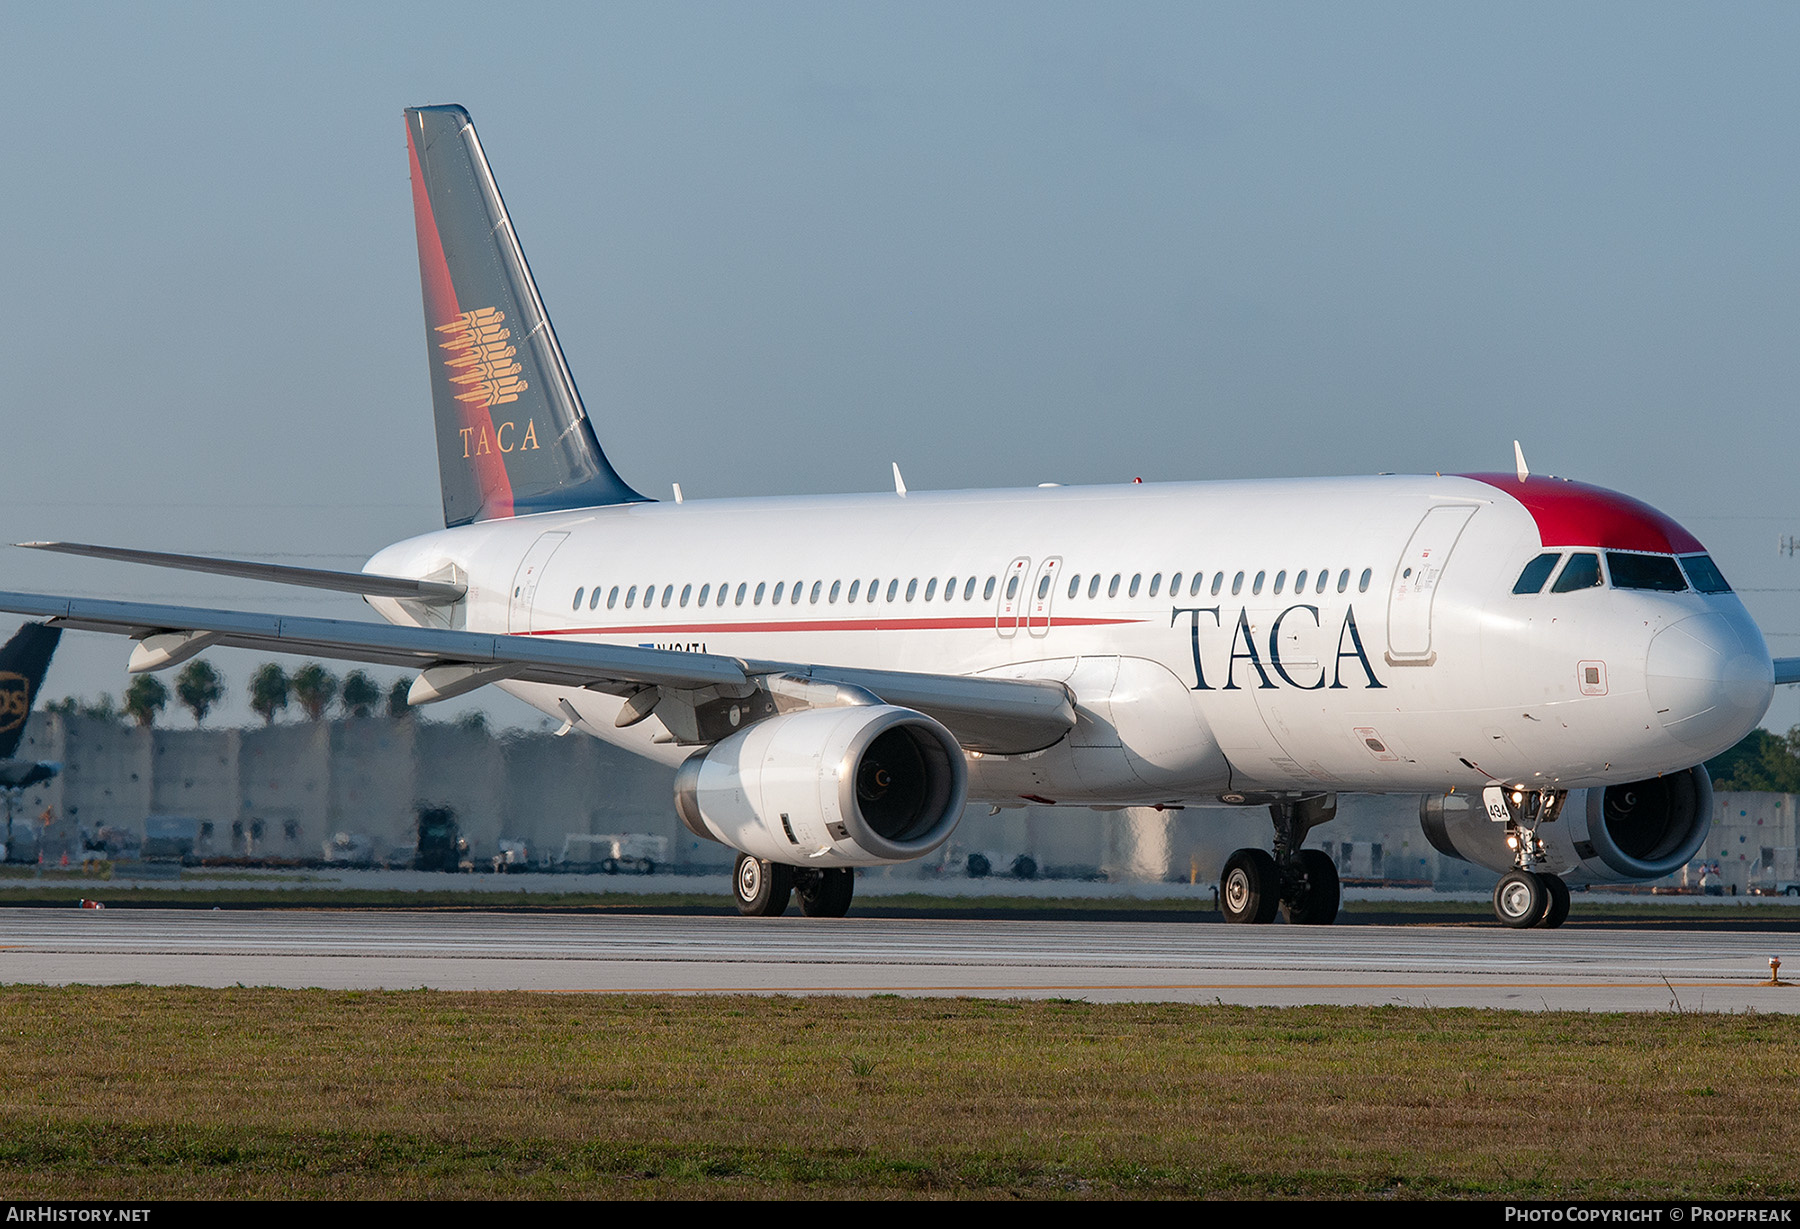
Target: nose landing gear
[1526,896]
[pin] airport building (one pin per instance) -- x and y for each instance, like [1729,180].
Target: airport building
[355,789]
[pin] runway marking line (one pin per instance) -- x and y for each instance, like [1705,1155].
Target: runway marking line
[890,989]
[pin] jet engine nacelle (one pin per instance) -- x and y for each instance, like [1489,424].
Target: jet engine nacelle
[1617,834]
[863,785]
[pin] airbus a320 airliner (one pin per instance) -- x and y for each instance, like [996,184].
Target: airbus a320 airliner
[838,677]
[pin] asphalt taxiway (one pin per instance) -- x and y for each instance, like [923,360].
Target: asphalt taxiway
[1476,966]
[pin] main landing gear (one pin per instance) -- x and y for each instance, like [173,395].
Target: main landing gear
[1525,895]
[763,888]
[1301,883]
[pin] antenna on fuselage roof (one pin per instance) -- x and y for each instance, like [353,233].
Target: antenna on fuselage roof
[1519,460]
[899,482]
[677,487]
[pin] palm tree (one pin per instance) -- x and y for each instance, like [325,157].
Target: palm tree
[315,687]
[361,694]
[199,687]
[269,692]
[397,701]
[145,698]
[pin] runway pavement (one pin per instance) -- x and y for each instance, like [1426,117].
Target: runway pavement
[1479,966]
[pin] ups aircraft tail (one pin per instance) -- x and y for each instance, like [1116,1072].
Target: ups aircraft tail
[23,661]
[512,434]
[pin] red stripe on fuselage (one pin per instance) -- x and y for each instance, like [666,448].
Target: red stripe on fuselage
[819,625]
[441,308]
[1576,514]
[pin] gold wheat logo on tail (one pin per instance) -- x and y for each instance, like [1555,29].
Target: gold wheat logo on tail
[480,360]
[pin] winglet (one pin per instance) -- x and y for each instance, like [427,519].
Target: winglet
[899,482]
[1519,460]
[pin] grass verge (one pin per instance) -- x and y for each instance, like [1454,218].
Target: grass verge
[139,1092]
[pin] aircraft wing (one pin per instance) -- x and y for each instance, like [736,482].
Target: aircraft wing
[999,716]
[1787,670]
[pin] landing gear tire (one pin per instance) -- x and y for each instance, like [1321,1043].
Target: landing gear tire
[1521,899]
[762,887]
[826,893]
[1250,888]
[1317,902]
[1556,909]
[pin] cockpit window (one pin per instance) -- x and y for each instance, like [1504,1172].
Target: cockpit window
[1633,571]
[1580,572]
[1704,573]
[1532,579]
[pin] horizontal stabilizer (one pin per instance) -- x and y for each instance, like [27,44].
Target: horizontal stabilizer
[1787,670]
[430,592]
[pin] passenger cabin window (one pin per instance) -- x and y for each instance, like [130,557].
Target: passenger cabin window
[630,596]
[1155,583]
[855,585]
[1704,574]
[1012,587]
[594,601]
[1630,570]
[817,585]
[1135,581]
[1094,585]
[1112,586]
[893,588]
[1362,586]
[780,588]
[1075,584]
[912,587]
[969,589]
[1582,571]
[705,592]
[1237,584]
[931,588]
[1256,585]
[1218,582]
[837,586]
[743,588]
[687,591]
[1532,579]
[579,594]
[987,590]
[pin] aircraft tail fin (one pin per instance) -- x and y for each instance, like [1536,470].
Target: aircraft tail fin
[23,661]
[512,434]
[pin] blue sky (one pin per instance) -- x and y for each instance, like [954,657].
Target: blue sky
[785,244]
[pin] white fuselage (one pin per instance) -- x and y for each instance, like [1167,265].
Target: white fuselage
[1220,639]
